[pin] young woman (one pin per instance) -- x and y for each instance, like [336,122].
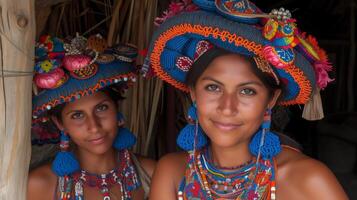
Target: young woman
[236,70]
[94,161]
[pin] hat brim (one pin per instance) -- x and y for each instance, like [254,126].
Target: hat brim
[230,35]
[73,89]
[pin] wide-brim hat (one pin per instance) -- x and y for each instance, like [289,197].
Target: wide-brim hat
[295,58]
[114,65]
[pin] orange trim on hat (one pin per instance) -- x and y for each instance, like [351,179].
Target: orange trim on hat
[304,84]
[206,31]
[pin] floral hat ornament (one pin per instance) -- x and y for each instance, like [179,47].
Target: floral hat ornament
[187,30]
[66,70]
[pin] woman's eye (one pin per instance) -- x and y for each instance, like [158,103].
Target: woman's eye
[213,88]
[248,92]
[77,115]
[102,107]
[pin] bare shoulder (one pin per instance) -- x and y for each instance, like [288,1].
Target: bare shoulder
[147,163]
[41,183]
[167,176]
[305,178]
[174,164]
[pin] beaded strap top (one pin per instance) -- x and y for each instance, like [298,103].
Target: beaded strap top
[203,180]
[125,176]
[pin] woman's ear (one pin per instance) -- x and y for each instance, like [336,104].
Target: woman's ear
[274,98]
[56,121]
[192,94]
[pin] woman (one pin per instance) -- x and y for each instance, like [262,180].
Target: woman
[237,63]
[83,107]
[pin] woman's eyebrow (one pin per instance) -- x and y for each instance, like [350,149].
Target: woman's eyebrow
[71,111]
[207,78]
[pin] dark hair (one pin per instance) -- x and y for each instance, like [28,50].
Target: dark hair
[114,92]
[204,61]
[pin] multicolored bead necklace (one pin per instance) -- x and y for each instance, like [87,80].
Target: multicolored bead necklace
[124,176]
[251,181]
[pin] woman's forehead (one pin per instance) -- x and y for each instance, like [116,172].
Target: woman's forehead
[229,67]
[87,101]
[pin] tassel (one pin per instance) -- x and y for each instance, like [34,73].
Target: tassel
[265,143]
[124,139]
[65,163]
[192,113]
[313,108]
[270,146]
[186,138]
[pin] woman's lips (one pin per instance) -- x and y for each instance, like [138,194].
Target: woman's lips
[97,140]
[225,126]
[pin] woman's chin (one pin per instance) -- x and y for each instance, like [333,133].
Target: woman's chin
[99,149]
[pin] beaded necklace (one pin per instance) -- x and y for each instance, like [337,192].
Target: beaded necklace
[124,176]
[253,180]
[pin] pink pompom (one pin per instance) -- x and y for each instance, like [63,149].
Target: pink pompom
[51,79]
[76,62]
[273,58]
[322,77]
[176,8]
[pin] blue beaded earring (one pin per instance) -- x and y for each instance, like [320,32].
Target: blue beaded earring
[124,139]
[65,162]
[192,136]
[265,143]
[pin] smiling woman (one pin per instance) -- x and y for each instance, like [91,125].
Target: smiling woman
[237,63]
[80,109]
[231,100]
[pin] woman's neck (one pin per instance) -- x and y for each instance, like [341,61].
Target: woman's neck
[230,156]
[97,164]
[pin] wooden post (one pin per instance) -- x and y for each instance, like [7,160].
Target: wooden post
[17,39]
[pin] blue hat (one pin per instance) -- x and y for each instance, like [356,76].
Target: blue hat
[75,71]
[239,27]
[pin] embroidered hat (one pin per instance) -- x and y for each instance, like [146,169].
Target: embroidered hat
[188,30]
[68,70]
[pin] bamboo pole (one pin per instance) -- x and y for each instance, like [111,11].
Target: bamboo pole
[17,37]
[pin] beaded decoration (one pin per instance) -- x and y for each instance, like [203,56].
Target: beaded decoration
[124,176]
[67,70]
[252,180]
[296,58]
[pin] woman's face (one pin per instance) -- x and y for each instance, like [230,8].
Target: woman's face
[231,100]
[91,122]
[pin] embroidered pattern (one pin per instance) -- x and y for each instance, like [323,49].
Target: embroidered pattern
[254,180]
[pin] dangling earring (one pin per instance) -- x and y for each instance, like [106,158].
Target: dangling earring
[124,138]
[265,143]
[65,163]
[192,136]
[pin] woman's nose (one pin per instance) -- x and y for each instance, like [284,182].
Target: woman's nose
[228,104]
[93,124]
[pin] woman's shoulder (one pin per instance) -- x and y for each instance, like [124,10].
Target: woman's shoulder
[296,171]
[175,162]
[41,183]
[168,174]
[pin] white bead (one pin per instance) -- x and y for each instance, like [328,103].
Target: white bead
[272,196]
[48,107]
